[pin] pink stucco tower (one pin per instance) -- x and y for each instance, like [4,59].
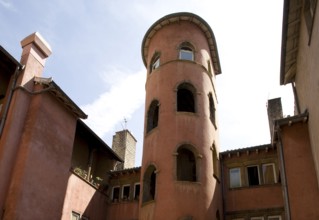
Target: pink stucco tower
[180,171]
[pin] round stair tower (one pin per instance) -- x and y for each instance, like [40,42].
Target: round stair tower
[180,167]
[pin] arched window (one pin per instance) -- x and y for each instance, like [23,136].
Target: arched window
[211,108]
[149,184]
[186,165]
[185,98]
[186,51]
[152,115]
[155,62]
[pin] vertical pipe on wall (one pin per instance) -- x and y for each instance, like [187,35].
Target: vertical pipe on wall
[283,175]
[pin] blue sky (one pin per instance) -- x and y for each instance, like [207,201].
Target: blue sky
[97,60]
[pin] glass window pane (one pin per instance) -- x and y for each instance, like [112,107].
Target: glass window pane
[75,216]
[234,175]
[186,54]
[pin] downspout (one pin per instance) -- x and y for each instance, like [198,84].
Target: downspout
[6,107]
[222,181]
[295,97]
[283,175]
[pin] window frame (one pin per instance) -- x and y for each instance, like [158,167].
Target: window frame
[186,53]
[123,190]
[273,217]
[76,215]
[273,172]
[152,116]
[193,172]
[116,187]
[230,178]
[257,218]
[137,196]
[215,159]
[258,172]
[212,109]
[189,106]
[148,193]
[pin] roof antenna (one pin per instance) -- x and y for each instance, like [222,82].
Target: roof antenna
[125,124]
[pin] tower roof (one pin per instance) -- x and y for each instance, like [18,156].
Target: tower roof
[184,16]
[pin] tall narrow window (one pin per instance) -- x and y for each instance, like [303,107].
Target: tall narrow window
[234,177]
[269,173]
[186,165]
[116,194]
[126,192]
[136,191]
[149,184]
[253,175]
[155,62]
[215,162]
[185,98]
[211,108]
[152,115]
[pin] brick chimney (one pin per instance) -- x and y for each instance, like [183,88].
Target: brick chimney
[274,109]
[35,51]
[124,144]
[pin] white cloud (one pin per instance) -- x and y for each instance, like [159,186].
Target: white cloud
[125,96]
[7,4]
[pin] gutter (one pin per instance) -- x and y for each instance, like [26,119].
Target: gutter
[7,105]
[284,40]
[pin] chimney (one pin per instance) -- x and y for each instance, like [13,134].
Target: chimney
[124,144]
[35,50]
[274,109]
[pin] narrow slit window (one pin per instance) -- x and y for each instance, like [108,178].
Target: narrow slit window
[212,109]
[152,115]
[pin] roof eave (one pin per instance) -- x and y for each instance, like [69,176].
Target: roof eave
[186,16]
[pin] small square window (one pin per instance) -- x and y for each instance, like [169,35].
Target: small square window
[253,175]
[234,177]
[186,53]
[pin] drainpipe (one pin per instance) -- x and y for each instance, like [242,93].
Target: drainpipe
[7,105]
[222,181]
[283,175]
